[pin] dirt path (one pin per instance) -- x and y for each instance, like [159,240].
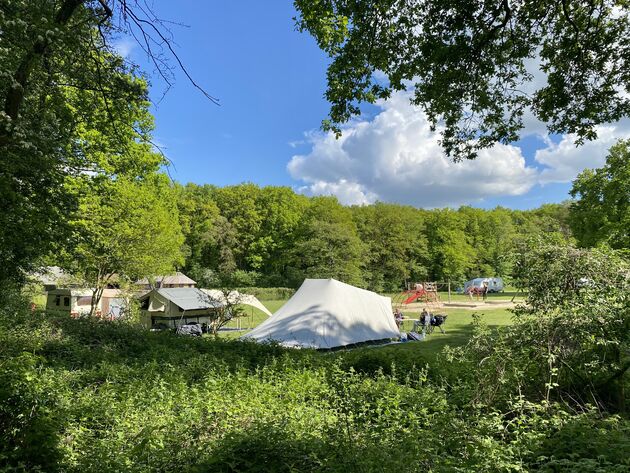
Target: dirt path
[468,305]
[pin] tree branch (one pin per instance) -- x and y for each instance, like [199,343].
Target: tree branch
[139,22]
[15,96]
[565,11]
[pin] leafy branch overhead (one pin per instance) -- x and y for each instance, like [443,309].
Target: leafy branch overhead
[469,64]
[92,26]
[71,106]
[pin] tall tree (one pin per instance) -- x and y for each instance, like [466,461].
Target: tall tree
[239,205]
[467,63]
[210,239]
[327,245]
[602,212]
[62,84]
[125,227]
[395,249]
[282,211]
[451,253]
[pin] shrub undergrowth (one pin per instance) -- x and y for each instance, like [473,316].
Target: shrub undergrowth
[81,395]
[86,395]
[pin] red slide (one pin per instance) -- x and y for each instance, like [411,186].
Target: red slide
[414,295]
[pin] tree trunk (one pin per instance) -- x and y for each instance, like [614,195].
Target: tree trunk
[97,294]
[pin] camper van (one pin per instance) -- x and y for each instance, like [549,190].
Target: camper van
[494,284]
[77,302]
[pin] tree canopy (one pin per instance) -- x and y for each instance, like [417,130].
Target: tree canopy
[124,228]
[69,105]
[469,63]
[246,235]
[601,213]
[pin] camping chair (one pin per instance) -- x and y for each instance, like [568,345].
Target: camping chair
[437,321]
[419,323]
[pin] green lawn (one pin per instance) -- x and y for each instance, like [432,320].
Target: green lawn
[458,328]
[400,358]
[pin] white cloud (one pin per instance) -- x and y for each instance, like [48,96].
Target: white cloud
[350,193]
[531,124]
[564,161]
[397,158]
[124,46]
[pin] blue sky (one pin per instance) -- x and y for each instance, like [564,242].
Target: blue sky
[270,80]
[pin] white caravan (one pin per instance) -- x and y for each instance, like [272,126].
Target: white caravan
[494,284]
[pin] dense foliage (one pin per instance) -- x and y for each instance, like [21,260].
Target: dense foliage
[245,235]
[71,108]
[601,213]
[68,106]
[571,340]
[83,395]
[125,229]
[478,68]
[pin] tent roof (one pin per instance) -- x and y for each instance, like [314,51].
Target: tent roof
[72,291]
[177,278]
[236,297]
[186,298]
[325,313]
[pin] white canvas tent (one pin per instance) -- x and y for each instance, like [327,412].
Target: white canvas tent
[325,313]
[236,297]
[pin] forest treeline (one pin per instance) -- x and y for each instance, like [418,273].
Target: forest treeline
[246,235]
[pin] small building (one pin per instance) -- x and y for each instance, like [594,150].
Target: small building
[71,301]
[177,306]
[171,281]
[77,302]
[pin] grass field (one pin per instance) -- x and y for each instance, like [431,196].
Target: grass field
[458,328]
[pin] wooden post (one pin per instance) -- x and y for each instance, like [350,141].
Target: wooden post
[449,290]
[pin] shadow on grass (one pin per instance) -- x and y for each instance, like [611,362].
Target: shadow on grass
[264,447]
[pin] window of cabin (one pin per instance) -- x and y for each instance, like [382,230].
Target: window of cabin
[66,301]
[84,301]
[57,300]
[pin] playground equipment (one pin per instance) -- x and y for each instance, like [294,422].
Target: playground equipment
[425,292]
